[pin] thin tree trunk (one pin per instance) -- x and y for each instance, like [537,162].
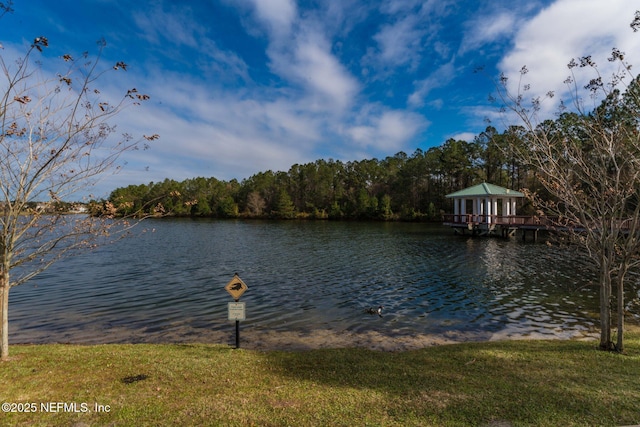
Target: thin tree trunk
[620,286]
[4,316]
[605,307]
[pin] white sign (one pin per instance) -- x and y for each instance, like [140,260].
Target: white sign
[236,311]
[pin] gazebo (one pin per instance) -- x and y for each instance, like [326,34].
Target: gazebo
[483,207]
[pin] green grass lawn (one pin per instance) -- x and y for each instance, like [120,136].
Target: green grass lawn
[535,383]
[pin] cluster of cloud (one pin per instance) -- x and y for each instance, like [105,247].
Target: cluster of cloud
[315,109]
[566,30]
[344,80]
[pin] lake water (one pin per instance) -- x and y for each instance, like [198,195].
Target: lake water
[309,284]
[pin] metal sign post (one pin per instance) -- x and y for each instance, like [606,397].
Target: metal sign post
[236,287]
[237,313]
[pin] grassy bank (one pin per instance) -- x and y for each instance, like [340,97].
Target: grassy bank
[501,383]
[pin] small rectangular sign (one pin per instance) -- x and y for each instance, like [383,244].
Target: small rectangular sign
[236,311]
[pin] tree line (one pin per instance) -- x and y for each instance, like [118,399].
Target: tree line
[399,187]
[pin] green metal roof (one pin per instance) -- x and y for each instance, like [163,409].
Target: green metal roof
[485,189]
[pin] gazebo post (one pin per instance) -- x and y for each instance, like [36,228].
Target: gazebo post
[488,204]
[456,210]
[463,209]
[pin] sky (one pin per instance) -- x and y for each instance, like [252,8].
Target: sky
[244,86]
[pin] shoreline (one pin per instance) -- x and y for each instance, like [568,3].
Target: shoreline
[272,340]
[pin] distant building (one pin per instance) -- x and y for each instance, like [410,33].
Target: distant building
[78,208]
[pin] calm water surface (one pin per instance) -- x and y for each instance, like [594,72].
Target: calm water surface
[167,284]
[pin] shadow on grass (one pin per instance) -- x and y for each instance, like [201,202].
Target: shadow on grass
[527,382]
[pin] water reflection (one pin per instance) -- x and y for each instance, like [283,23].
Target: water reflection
[167,285]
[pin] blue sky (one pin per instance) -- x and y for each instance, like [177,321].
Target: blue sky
[243,86]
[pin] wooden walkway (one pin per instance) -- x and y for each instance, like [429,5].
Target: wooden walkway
[499,225]
[507,226]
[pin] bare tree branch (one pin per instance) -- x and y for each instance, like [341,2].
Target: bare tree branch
[55,139]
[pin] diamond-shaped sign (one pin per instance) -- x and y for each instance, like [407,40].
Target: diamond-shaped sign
[236,287]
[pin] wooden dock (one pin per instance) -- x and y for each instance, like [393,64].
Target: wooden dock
[499,225]
[508,225]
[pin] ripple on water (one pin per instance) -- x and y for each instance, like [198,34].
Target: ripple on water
[305,277]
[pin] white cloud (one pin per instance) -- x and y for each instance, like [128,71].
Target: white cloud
[399,126]
[239,141]
[159,26]
[277,15]
[300,53]
[321,73]
[439,78]
[176,30]
[464,136]
[565,30]
[400,43]
[488,29]
[213,131]
[421,7]
[385,130]
[413,28]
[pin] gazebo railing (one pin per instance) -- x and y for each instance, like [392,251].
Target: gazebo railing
[550,222]
[516,220]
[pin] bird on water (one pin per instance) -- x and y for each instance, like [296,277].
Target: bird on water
[373,310]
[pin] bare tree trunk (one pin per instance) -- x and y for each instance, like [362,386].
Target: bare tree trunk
[4,315]
[620,309]
[605,307]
